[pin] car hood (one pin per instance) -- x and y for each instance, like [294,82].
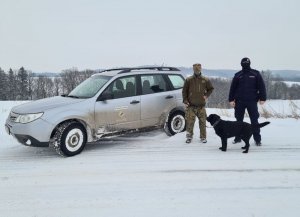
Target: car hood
[42,105]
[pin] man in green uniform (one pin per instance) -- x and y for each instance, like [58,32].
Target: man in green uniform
[196,90]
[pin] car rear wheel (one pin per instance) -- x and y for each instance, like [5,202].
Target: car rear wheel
[176,123]
[69,139]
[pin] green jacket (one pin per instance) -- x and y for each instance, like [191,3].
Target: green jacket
[194,90]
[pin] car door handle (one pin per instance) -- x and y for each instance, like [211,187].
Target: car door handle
[134,102]
[169,97]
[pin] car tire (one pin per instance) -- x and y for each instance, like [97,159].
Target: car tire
[69,139]
[176,123]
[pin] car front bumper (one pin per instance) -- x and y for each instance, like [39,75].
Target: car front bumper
[36,133]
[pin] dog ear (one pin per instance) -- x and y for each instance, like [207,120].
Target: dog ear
[215,117]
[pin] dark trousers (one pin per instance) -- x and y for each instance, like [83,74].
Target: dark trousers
[252,109]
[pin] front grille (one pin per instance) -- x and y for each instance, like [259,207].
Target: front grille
[13,116]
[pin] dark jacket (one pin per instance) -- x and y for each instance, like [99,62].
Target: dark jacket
[194,90]
[247,85]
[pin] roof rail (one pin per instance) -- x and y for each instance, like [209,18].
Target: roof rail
[158,68]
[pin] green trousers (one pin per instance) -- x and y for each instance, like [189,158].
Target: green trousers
[190,117]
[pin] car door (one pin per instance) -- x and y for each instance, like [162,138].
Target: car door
[118,108]
[156,100]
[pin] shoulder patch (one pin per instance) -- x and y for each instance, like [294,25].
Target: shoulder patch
[254,73]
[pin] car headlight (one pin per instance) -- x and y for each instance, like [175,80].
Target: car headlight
[24,119]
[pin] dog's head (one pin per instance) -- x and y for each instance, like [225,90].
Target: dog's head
[213,118]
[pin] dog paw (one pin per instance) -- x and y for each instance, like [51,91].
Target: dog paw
[244,147]
[245,152]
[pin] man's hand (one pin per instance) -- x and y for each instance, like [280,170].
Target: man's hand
[261,102]
[205,98]
[232,104]
[187,104]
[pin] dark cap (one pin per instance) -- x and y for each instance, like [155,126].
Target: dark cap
[245,62]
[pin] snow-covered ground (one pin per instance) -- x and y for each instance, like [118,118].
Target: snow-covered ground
[290,83]
[151,174]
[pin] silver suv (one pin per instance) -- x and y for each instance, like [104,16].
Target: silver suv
[109,103]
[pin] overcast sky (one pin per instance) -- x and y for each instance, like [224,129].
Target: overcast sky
[52,35]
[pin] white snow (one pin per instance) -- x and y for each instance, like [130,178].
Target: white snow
[151,174]
[290,83]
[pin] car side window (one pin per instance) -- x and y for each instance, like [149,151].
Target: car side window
[177,81]
[122,87]
[153,84]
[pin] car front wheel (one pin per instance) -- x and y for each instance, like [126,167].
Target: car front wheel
[69,139]
[176,123]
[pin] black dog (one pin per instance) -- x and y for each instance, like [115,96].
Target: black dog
[227,129]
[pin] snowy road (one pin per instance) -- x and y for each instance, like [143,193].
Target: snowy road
[151,174]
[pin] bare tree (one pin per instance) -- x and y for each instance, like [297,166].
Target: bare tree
[30,84]
[268,79]
[86,74]
[57,86]
[3,85]
[39,87]
[49,87]
[219,97]
[294,92]
[70,79]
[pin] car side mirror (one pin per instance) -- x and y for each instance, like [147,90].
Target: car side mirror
[105,96]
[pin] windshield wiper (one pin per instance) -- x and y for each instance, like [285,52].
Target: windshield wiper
[72,96]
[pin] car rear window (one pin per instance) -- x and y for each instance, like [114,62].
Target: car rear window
[177,81]
[153,84]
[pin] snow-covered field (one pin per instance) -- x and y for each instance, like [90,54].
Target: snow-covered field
[290,83]
[151,174]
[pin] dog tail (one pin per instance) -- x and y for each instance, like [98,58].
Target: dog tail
[261,124]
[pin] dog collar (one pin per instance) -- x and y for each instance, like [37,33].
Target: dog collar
[216,123]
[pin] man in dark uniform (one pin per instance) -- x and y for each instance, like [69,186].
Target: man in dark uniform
[247,88]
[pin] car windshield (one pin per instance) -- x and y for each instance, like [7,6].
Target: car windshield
[89,87]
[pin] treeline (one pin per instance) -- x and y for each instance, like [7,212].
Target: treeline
[23,84]
[276,89]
